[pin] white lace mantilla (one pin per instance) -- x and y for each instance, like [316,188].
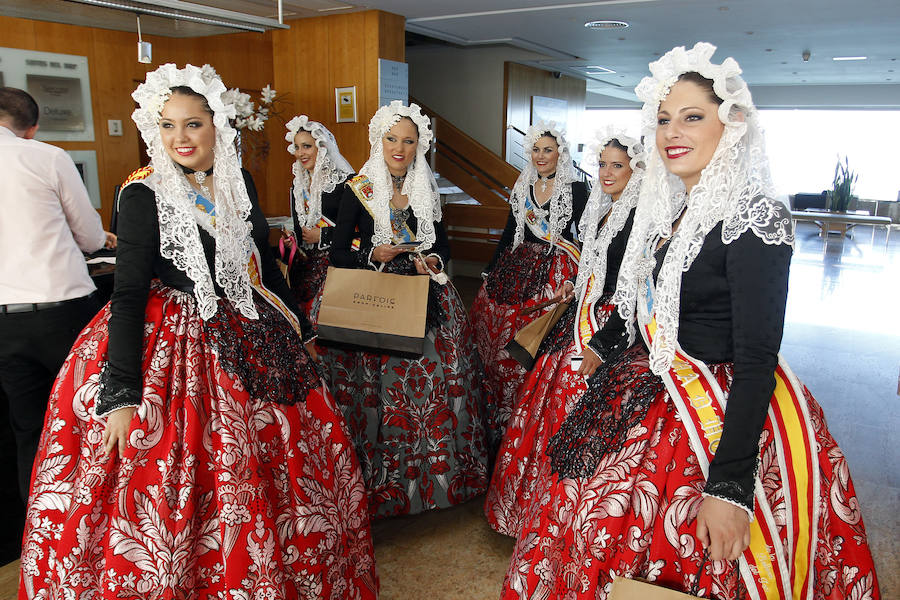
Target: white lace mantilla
[560,200]
[420,186]
[734,189]
[331,169]
[594,243]
[179,237]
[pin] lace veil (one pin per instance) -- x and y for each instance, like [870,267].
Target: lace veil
[561,195]
[420,186]
[594,244]
[178,219]
[734,189]
[331,169]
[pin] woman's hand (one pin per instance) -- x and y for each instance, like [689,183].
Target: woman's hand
[723,529]
[428,267]
[311,349]
[311,235]
[386,253]
[565,293]
[111,241]
[286,238]
[589,362]
[115,435]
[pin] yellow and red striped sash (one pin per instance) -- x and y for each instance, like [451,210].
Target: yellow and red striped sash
[254,272]
[770,570]
[585,318]
[541,230]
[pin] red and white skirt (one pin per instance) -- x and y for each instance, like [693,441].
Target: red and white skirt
[219,494]
[636,515]
[522,277]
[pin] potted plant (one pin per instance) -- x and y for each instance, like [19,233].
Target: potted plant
[841,192]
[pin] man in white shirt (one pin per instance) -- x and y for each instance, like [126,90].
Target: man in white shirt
[46,294]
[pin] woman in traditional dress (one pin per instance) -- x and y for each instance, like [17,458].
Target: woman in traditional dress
[557,379]
[319,175]
[649,475]
[181,457]
[417,422]
[536,254]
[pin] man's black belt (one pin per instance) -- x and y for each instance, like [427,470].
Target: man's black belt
[9,309]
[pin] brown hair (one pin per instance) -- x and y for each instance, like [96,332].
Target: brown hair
[186,91]
[19,107]
[704,82]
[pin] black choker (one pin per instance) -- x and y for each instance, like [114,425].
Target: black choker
[398,181]
[188,170]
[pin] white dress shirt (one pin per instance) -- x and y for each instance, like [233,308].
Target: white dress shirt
[46,221]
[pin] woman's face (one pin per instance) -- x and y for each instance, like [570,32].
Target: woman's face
[545,155]
[615,171]
[305,150]
[688,131]
[187,132]
[400,144]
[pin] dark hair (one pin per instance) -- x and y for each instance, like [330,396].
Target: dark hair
[410,119]
[19,107]
[705,83]
[186,91]
[616,144]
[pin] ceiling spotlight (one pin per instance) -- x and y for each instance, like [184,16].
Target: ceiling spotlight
[805,55]
[145,49]
[602,24]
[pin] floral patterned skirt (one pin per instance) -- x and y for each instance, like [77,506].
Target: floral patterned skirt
[218,495]
[550,391]
[636,515]
[417,423]
[522,277]
[308,277]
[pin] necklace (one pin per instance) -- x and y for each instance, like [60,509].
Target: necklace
[544,181]
[200,177]
[398,181]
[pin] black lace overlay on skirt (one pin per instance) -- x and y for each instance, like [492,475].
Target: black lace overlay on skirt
[265,354]
[308,274]
[618,396]
[435,315]
[520,273]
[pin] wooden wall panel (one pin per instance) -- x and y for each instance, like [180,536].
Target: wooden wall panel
[317,55]
[521,82]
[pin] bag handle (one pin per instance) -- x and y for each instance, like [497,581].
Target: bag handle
[293,252]
[695,587]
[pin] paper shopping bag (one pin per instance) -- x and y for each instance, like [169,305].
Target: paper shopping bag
[372,310]
[635,589]
[524,346]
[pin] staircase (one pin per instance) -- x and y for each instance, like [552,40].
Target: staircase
[475,185]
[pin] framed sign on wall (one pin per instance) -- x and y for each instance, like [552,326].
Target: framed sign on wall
[345,104]
[61,86]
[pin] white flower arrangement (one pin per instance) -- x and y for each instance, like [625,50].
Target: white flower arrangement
[246,114]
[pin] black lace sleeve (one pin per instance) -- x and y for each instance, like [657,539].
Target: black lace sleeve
[757,275]
[138,246]
[352,221]
[579,202]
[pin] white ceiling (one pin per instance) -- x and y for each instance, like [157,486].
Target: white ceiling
[767,37]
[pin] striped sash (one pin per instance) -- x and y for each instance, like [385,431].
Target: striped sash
[541,230]
[771,568]
[253,270]
[362,188]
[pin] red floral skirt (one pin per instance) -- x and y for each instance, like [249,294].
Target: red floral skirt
[522,277]
[218,495]
[636,515]
[550,391]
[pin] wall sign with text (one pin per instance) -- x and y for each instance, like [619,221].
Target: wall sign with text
[61,86]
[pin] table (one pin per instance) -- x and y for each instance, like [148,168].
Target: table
[843,220]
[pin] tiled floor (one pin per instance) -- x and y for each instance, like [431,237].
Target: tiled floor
[842,338]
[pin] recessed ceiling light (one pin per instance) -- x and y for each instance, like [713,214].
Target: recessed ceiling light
[849,57]
[603,24]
